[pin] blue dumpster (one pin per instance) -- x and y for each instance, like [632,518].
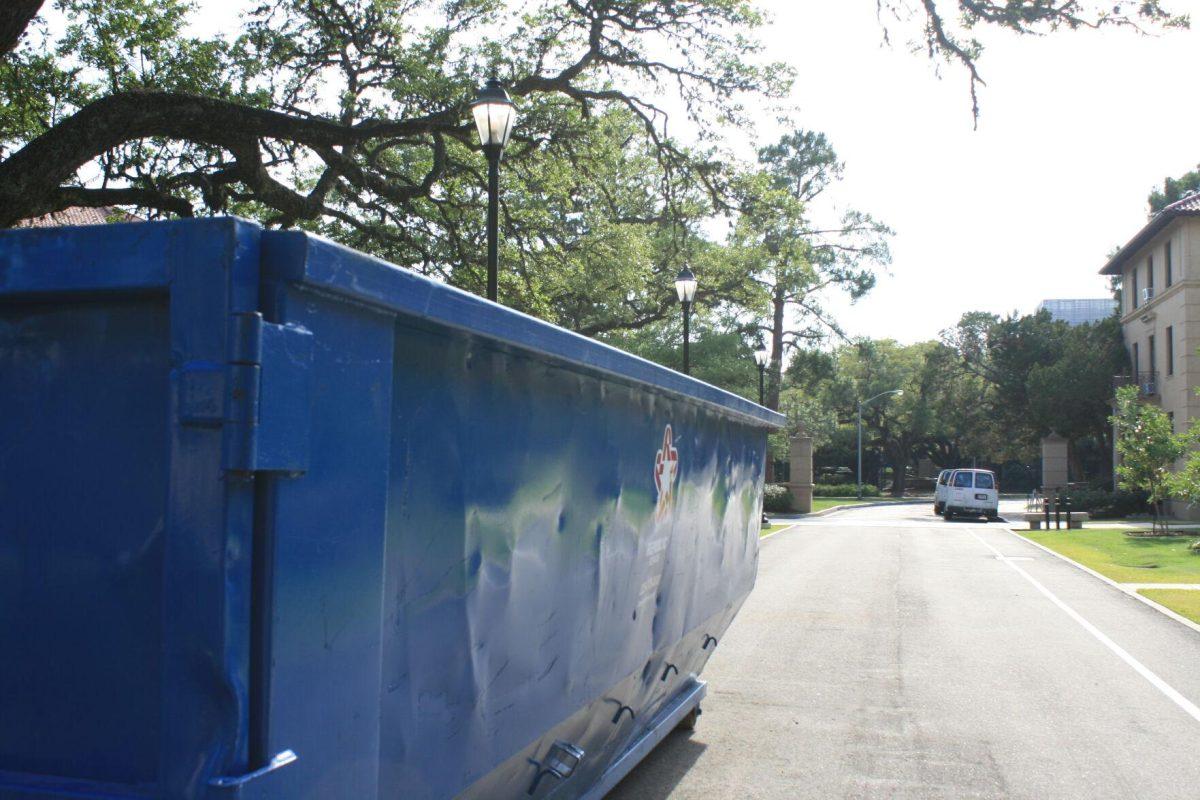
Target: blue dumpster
[279,520]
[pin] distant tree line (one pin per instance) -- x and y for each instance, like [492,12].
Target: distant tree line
[986,392]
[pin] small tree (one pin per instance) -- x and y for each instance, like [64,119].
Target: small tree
[1185,484]
[1148,448]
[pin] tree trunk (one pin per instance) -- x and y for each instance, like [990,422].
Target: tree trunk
[15,17]
[899,458]
[775,369]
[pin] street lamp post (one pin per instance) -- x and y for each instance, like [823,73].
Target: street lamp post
[685,288]
[762,358]
[862,403]
[494,114]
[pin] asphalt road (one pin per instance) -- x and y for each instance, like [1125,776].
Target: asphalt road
[887,654]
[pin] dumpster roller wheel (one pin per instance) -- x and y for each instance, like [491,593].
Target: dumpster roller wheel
[688,723]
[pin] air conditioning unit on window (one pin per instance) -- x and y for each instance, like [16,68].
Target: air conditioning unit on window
[1147,294]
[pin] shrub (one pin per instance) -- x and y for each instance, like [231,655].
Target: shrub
[777,498]
[1103,504]
[844,490]
[1194,548]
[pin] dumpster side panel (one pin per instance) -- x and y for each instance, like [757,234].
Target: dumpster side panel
[566,533]
[534,567]
[124,549]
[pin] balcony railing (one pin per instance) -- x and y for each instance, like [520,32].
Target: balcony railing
[1147,382]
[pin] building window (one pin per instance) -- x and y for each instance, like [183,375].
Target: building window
[1170,350]
[1136,367]
[1134,274]
[1171,419]
[1167,258]
[1150,354]
[1150,272]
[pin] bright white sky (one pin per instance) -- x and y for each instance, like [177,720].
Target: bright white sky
[1076,129]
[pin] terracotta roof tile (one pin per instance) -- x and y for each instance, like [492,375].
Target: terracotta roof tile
[1189,203]
[76,215]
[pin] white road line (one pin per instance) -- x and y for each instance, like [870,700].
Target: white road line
[1187,705]
[1124,588]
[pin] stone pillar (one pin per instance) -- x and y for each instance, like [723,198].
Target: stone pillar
[1055,463]
[800,482]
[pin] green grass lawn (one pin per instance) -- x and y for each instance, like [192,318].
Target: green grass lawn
[822,503]
[1125,559]
[772,528]
[1185,602]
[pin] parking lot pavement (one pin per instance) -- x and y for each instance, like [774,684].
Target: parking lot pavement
[887,654]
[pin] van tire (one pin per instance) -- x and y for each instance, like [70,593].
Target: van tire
[948,514]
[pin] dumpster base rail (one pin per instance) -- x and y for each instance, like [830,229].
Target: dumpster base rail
[667,720]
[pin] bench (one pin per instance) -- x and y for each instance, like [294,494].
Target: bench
[1036,518]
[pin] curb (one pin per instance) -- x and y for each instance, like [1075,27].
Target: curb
[1131,592]
[762,539]
[827,511]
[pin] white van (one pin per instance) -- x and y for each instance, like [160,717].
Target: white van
[940,490]
[972,492]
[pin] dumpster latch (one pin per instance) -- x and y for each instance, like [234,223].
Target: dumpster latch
[268,396]
[253,784]
[560,762]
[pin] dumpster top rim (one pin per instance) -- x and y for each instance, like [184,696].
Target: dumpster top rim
[341,270]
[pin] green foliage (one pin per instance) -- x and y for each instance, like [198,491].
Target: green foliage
[1185,482]
[1105,504]
[777,499]
[1148,448]
[987,392]
[1174,189]
[1070,394]
[844,490]
[1032,376]
[869,371]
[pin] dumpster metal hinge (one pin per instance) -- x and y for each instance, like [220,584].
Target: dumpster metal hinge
[268,396]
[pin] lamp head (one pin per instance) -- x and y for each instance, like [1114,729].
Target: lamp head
[685,285]
[495,114]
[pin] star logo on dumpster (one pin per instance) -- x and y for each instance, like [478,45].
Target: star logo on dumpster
[666,466]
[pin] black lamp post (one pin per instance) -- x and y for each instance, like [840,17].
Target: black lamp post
[762,358]
[494,115]
[685,288]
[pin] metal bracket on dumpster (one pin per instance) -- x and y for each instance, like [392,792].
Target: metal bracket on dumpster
[252,785]
[560,763]
[268,396]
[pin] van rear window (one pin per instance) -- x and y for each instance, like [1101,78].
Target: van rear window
[962,480]
[984,480]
